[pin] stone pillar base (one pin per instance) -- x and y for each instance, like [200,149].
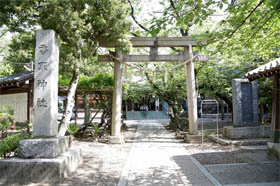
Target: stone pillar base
[43,148]
[25,171]
[274,150]
[197,138]
[116,139]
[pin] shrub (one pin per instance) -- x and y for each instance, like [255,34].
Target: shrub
[6,119]
[72,128]
[9,144]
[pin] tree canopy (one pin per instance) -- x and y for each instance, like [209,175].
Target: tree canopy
[240,35]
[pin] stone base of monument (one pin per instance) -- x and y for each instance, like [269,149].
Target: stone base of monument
[43,147]
[197,138]
[53,170]
[116,139]
[44,160]
[274,150]
[247,132]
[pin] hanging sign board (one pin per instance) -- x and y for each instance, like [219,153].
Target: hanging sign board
[209,107]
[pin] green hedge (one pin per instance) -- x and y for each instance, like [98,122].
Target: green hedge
[9,144]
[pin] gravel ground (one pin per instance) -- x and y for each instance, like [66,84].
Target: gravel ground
[216,154]
[102,162]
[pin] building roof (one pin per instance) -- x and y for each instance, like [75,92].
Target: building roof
[265,70]
[15,79]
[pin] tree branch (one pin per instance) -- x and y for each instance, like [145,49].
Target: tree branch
[242,23]
[174,7]
[183,32]
[262,25]
[134,19]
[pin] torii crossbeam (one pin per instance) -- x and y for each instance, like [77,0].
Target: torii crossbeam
[153,43]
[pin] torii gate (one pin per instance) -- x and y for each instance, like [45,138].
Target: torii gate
[153,44]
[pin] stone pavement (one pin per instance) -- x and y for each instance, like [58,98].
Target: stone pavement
[157,158]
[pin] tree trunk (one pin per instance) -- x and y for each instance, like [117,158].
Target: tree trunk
[69,104]
[223,109]
[87,110]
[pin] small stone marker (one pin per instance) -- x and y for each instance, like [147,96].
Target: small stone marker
[245,103]
[46,84]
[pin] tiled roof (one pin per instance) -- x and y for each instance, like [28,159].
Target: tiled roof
[16,78]
[268,69]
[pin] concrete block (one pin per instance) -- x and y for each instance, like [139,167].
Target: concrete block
[43,148]
[246,132]
[25,171]
[193,138]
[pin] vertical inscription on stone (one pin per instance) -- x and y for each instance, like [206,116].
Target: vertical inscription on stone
[247,102]
[46,84]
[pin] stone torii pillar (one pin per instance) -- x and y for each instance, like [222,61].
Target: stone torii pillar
[191,92]
[116,137]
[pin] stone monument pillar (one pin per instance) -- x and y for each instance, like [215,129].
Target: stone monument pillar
[45,157]
[45,101]
[245,103]
[46,84]
[117,103]
[245,112]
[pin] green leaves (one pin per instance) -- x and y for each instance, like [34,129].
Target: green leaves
[72,128]
[95,82]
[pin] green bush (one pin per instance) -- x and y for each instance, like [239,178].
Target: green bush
[9,144]
[6,118]
[97,81]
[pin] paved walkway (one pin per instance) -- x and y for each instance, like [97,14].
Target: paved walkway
[154,157]
[157,158]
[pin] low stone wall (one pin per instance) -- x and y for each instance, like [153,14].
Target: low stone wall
[247,132]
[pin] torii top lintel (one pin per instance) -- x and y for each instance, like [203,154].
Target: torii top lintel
[154,43]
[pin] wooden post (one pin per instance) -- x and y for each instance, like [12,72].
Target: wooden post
[191,91]
[275,121]
[30,104]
